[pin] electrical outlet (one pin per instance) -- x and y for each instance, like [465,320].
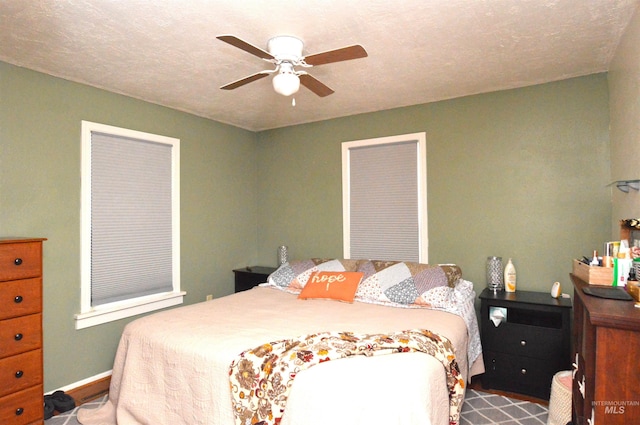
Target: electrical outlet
[209,297]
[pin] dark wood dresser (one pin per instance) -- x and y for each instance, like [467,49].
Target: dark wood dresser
[533,342]
[21,383]
[606,338]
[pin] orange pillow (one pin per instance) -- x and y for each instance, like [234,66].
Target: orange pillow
[340,286]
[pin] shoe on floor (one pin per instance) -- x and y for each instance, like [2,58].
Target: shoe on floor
[61,402]
[48,407]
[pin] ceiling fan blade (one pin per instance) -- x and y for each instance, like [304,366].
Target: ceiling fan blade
[344,54]
[247,47]
[315,85]
[246,80]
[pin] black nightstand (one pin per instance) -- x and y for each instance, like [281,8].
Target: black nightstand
[249,277]
[532,343]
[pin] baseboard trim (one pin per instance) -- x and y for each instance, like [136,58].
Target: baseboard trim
[89,389]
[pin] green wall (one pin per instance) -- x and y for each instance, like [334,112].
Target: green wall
[624,91]
[40,196]
[519,173]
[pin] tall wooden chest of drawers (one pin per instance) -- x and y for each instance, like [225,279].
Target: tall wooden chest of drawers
[21,385]
[606,343]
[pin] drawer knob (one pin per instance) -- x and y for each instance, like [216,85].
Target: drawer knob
[18,299]
[17,261]
[19,411]
[19,374]
[523,342]
[523,371]
[18,337]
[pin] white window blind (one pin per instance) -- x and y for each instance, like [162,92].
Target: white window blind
[384,185]
[131,237]
[130,231]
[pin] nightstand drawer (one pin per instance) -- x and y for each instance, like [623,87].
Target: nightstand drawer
[520,374]
[524,340]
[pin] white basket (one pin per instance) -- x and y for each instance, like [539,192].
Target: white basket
[560,401]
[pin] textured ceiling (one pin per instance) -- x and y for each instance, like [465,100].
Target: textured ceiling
[166,51]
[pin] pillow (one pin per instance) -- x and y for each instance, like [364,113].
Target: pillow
[292,276]
[340,286]
[403,282]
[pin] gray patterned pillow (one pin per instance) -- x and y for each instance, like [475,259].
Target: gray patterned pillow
[402,282]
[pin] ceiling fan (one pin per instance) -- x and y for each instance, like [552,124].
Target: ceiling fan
[285,52]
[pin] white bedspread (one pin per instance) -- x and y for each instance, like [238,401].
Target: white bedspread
[172,367]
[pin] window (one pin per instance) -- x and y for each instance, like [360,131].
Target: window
[384,194]
[130,224]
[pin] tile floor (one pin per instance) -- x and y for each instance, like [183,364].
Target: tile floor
[480,408]
[69,418]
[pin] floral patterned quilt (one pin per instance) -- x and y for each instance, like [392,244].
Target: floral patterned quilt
[261,377]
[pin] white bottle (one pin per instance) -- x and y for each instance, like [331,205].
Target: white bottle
[510,277]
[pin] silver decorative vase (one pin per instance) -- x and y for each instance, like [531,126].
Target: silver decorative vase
[282,255]
[495,279]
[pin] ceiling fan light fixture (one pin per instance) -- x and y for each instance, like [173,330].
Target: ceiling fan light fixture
[286,83]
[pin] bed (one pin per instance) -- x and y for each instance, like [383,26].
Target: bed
[172,367]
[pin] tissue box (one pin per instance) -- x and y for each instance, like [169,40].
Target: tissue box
[633,288]
[593,275]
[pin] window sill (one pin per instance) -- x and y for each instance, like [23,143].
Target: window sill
[121,310]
